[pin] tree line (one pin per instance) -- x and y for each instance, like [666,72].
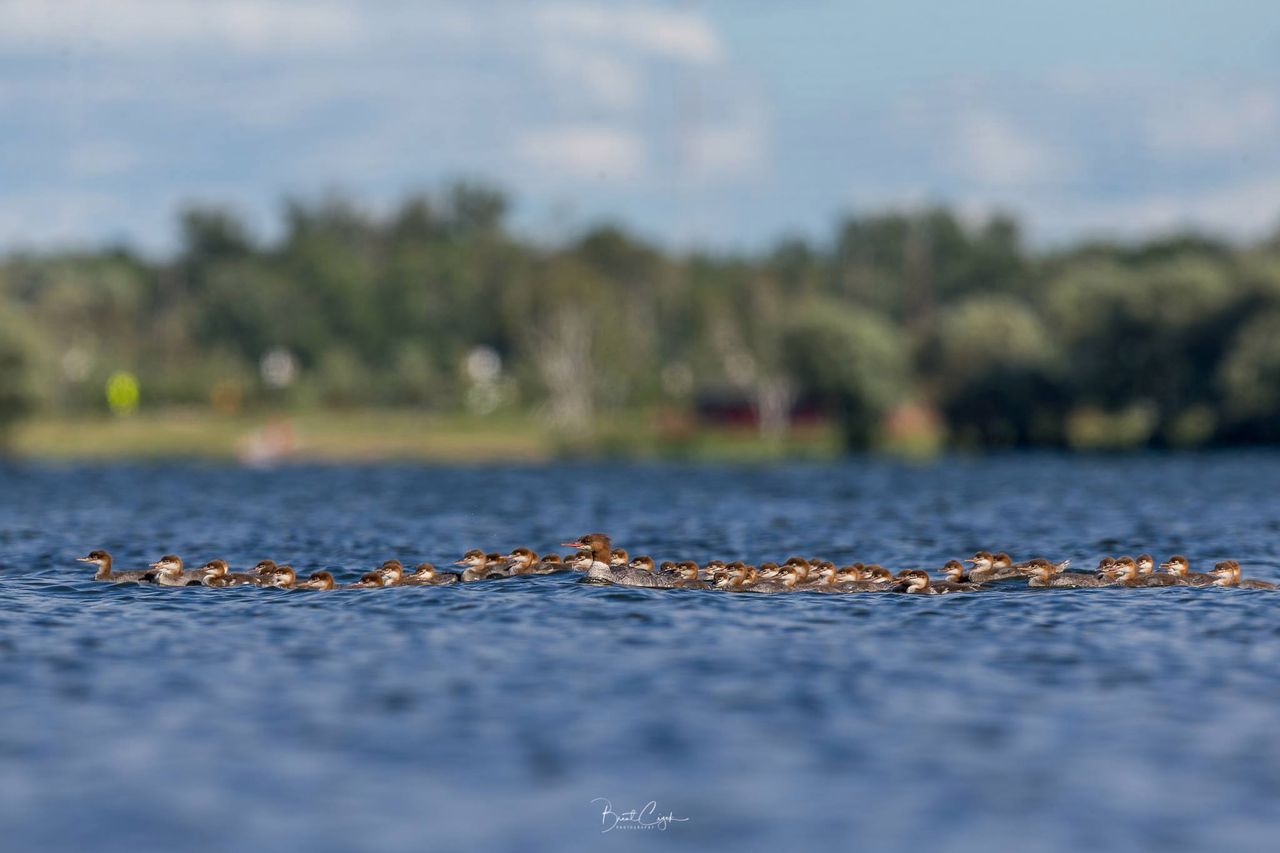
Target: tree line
[441,304]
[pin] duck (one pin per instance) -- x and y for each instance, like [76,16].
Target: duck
[642,563]
[368,580]
[216,574]
[916,582]
[284,577]
[687,572]
[1178,566]
[169,572]
[853,578]
[264,570]
[802,567]
[1146,564]
[392,572]
[744,578]
[479,567]
[618,557]
[1227,573]
[425,574]
[102,560]
[878,575]
[318,581]
[954,572]
[1126,574]
[523,561]
[1045,574]
[599,550]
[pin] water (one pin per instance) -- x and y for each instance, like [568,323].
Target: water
[490,716]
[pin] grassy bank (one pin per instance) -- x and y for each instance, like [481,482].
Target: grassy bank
[378,435]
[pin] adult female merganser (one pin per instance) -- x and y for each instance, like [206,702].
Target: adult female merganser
[1178,566]
[1045,574]
[102,560]
[479,567]
[426,575]
[1227,573]
[600,550]
[216,574]
[317,580]
[1126,574]
[169,572]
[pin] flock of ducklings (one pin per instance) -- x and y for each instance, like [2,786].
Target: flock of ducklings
[600,562]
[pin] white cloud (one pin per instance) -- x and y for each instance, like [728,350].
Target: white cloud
[670,33]
[247,26]
[728,149]
[604,78]
[584,151]
[994,152]
[1214,123]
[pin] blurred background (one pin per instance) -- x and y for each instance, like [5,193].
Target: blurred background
[259,228]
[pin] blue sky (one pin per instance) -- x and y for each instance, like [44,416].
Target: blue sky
[721,122]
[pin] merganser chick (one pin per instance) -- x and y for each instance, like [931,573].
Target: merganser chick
[688,571]
[1227,573]
[369,580]
[803,569]
[1126,572]
[746,579]
[710,569]
[318,580]
[916,582]
[392,572]
[642,563]
[216,574]
[954,570]
[669,566]
[169,572]
[1146,564]
[769,570]
[600,550]
[284,577]
[1046,574]
[478,566]
[523,561]
[1178,567]
[618,557]
[171,567]
[426,575]
[264,570]
[102,560]
[878,575]
[854,578]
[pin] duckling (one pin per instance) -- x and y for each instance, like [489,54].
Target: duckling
[1046,574]
[169,572]
[954,571]
[853,578]
[1227,573]
[769,570]
[426,575]
[1126,573]
[478,566]
[264,570]
[216,574]
[392,572]
[642,563]
[618,557]
[1178,567]
[284,577]
[1146,564]
[369,580]
[878,575]
[522,561]
[712,567]
[687,572]
[102,560]
[803,569]
[746,579]
[318,581]
[916,582]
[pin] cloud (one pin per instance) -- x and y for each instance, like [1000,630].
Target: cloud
[669,33]
[597,152]
[605,79]
[994,152]
[1209,122]
[246,26]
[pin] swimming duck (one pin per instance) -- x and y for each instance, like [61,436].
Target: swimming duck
[1146,564]
[643,563]
[426,575]
[169,572]
[687,572]
[1227,573]
[369,580]
[284,577]
[392,572]
[1178,566]
[916,582]
[479,567]
[1126,574]
[215,574]
[522,561]
[102,560]
[600,550]
[1045,574]
[318,581]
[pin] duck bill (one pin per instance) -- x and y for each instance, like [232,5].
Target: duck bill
[575,544]
[85,560]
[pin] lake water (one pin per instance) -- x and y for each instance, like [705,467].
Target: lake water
[490,716]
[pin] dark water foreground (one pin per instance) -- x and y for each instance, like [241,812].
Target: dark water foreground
[490,716]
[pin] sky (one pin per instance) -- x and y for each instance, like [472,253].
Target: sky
[720,123]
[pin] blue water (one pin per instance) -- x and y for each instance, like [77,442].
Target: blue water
[490,716]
